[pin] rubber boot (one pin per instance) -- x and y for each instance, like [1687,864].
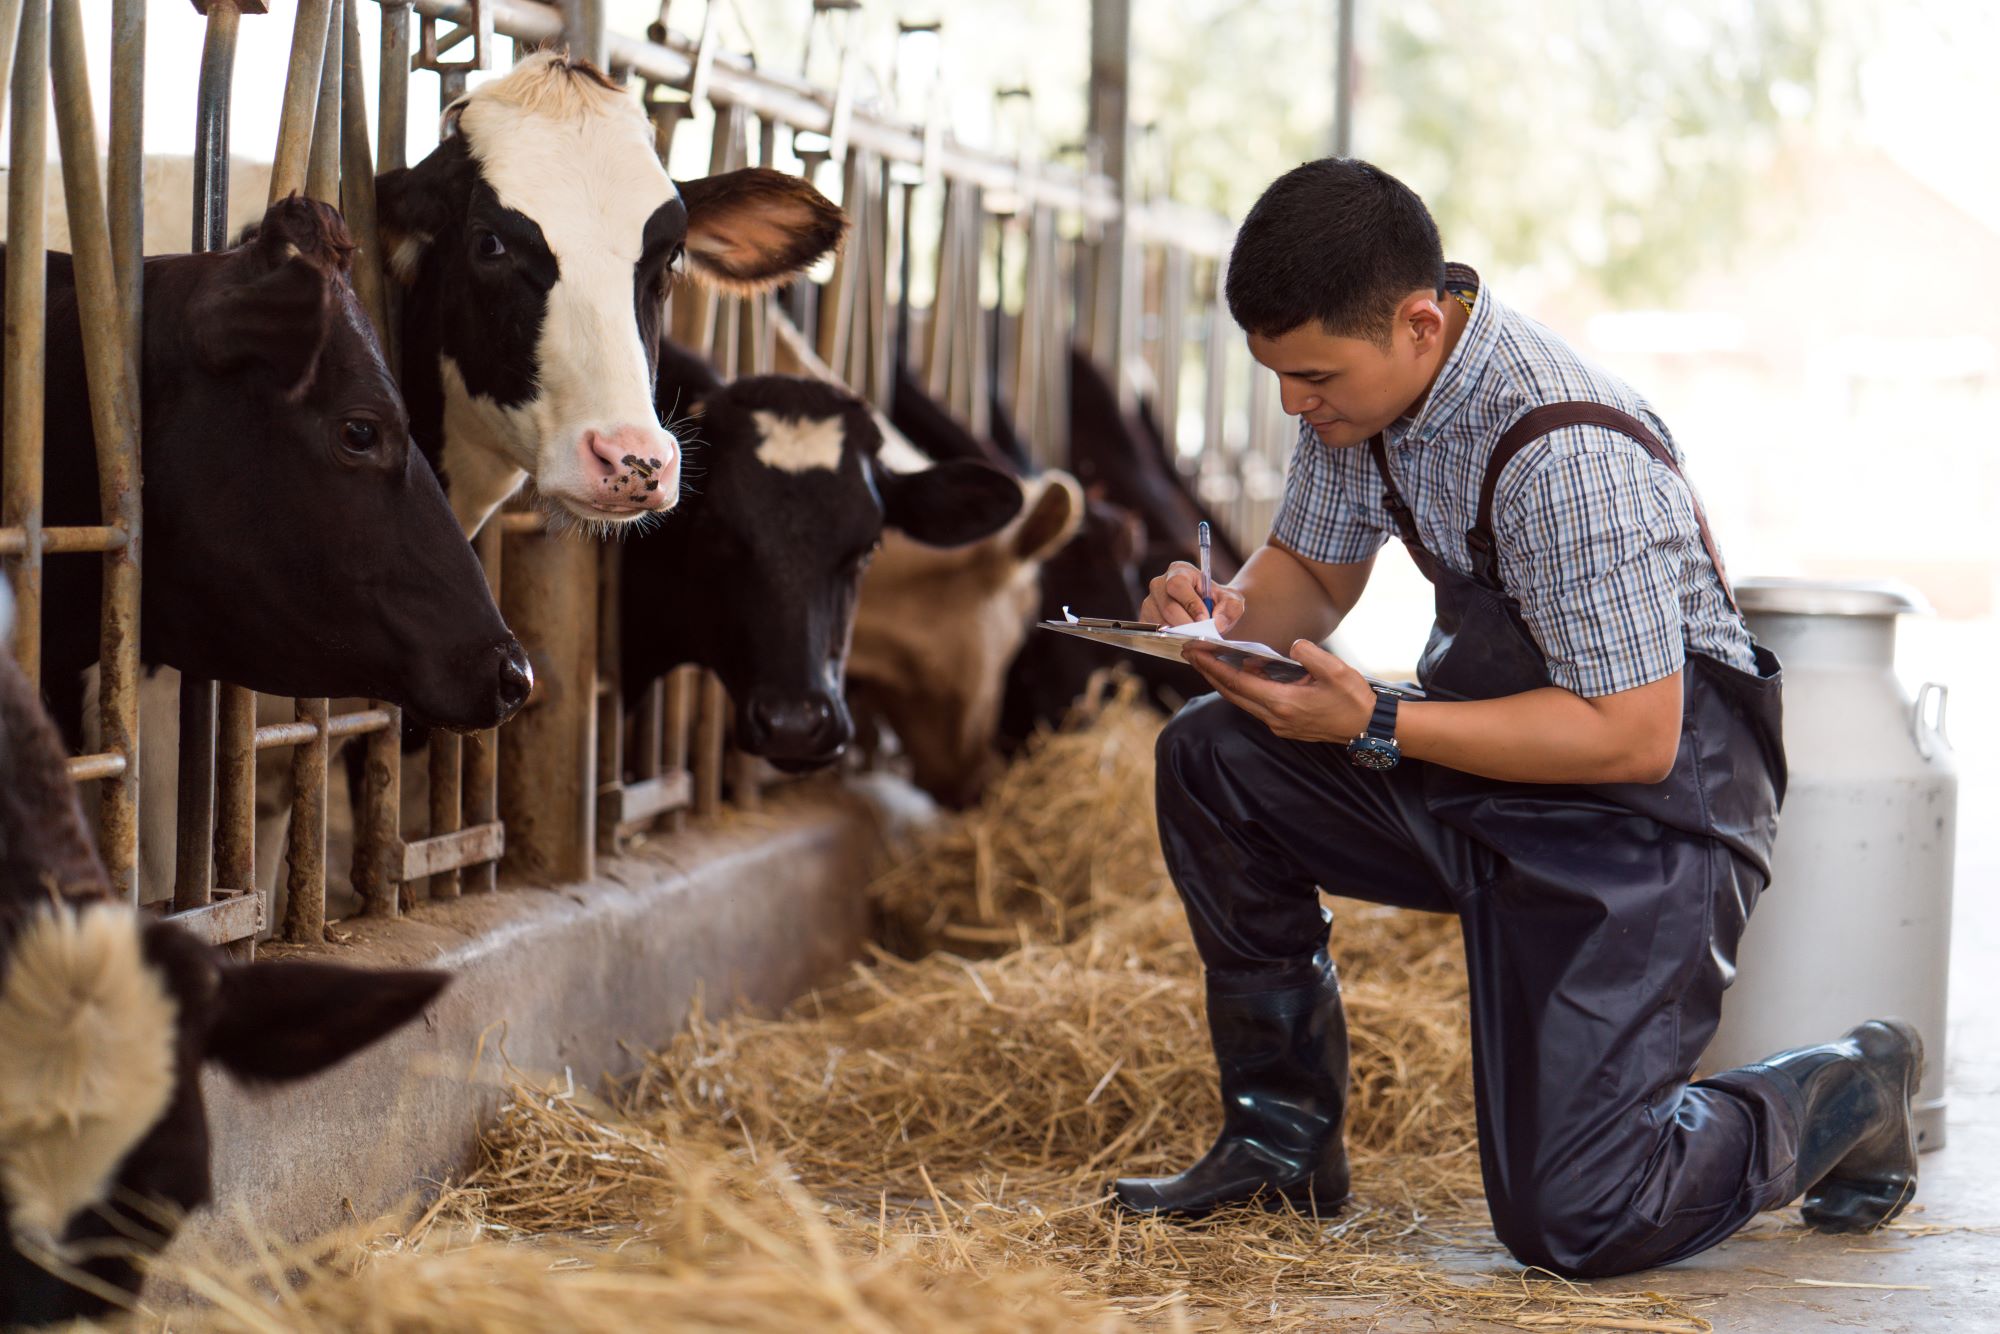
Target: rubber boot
[1281,1049]
[1857,1163]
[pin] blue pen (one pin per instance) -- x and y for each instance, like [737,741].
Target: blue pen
[1207,583]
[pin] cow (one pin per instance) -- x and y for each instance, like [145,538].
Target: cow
[1095,572]
[107,1016]
[755,576]
[294,541]
[934,632]
[536,244]
[1121,456]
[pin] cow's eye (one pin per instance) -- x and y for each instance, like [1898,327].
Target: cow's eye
[674,259]
[359,435]
[858,562]
[489,246]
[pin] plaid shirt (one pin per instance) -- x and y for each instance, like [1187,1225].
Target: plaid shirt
[1598,540]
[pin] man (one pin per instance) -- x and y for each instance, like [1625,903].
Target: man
[1591,780]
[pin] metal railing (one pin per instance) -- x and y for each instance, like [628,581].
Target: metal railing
[571,776]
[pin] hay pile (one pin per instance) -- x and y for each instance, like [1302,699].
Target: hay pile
[930,1145]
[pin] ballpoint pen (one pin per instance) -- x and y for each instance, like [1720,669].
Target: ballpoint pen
[1207,583]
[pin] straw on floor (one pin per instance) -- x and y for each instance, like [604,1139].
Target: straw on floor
[931,1144]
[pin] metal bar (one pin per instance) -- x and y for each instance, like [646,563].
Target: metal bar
[681,685]
[735,81]
[86,768]
[211,126]
[649,730]
[194,815]
[110,356]
[237,917]
[305,883]
[482,749]
[26,353]
[446,809]
[295,115]
[394,104]
[711,720]
[1343,78]
[377,836]
[57,541]
[548,766]
[583,29]
[323,156]
[446,854]
[652,797]
[357,178]
[124,183]
[236,787]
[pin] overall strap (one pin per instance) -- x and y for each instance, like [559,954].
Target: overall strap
[1541,421]
[1405,521]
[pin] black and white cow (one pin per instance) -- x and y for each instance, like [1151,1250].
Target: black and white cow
[106,1017]
[294,541]
[755,576]
[537,242]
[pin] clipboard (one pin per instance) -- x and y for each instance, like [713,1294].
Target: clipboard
[1160,642]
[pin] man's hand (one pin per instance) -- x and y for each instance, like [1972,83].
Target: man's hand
[1333,704]
[1175,599]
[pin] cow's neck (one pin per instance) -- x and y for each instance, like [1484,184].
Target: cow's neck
[479,475]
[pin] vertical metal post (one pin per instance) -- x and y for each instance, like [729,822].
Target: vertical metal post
[323,157]
[26,355]
[305,902]
[1110,125]
[394,104]
[1343,78]
[548,770]
[357,178]
[583,29]
[295,114]
[446,818]
[482,749]
[211,127]
[377,833]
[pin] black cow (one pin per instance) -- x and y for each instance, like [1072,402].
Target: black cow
[755,576]
[537,242]
[294,542]
[1122,457]
[106,1018]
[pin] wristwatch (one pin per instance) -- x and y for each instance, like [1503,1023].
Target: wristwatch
[1376,748]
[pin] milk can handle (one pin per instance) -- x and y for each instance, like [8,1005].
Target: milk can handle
[1923,732]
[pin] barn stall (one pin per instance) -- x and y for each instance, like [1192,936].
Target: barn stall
[997,1006]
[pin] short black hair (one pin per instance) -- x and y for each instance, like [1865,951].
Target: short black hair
[1339,241]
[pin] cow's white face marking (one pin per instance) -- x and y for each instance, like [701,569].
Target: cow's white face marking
[799,444]
[87,1037]
[579,161]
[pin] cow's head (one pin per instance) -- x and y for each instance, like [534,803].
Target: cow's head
[935,631]
[537,242]
[296,542]
[787,502]
[106,1018]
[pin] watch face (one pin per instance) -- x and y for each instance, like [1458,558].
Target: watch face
[1373,753]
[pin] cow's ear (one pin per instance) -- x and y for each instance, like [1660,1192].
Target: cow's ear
[276,1022]
[1052,517]
[949,505]
[277,317]
[412,208]
[749,230]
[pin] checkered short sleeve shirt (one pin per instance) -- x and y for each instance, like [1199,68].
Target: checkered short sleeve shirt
[1598,540]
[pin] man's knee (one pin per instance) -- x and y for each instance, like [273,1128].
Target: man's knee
[1206,738]
[1550,1225]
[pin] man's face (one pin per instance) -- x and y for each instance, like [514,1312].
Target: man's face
[1345,388]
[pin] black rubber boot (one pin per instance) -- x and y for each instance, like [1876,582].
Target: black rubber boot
[1281,1048]
[1857,1164]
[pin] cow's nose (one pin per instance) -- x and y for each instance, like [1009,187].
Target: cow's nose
[795,730]
[631,467]
[516,679]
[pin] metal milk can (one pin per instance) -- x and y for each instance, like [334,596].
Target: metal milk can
[1856,923]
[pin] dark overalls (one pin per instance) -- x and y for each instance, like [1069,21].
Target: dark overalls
[1600,922]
